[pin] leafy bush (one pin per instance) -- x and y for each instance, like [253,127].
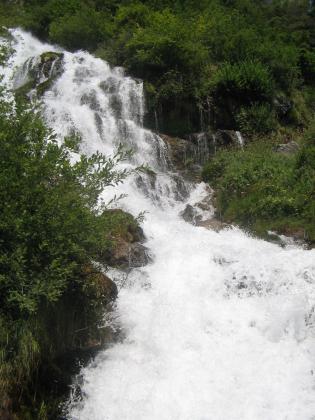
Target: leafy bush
[84,29]
[248,81]
[257,186]
[258,118]
[237,86]
[52,228]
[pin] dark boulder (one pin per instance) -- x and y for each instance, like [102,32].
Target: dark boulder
[191,215]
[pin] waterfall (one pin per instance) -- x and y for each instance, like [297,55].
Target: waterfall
[239,138]
[219,326]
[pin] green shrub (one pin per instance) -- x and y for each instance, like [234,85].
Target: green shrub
[248,81]
[237,86]
[51,230]
[84,29]
[257,118]
[259,187]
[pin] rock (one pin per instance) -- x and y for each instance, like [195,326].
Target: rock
[181,190]
[129,255]
[287,148]
[50,65]
[110,85]
[180,150]
[38,74]
[191,215]
[213,224]
[132,231]
[103,287]
[127,250]
[204,146]
[206,204]
[225,138]
[116,106]
[190,153]
[283,105]
[90,99]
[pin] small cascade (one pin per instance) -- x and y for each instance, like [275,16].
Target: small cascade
[239,138]
[219,325]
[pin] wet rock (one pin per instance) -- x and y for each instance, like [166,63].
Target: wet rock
[127,250]
[38,74]
[180,151]
[213,224]
[116,106]
[146,183]
[191,215]
[287,148]
[225,138]
[203,146]
[181,188]
[190,153]
[110,85]
[129,255]
[206,204]
[90,99]
[50,65]
[98,122]
[133,232]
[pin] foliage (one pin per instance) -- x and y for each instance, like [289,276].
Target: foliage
[257,118]
[235,86]
[259,186]
[82,30]
[53,226]
[212,56]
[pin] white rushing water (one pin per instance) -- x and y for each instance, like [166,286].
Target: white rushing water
[219,326]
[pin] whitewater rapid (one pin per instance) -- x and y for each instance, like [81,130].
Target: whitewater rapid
[219,326]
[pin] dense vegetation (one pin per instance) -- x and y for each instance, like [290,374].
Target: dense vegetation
[52,229]
[239,64]
[265,190]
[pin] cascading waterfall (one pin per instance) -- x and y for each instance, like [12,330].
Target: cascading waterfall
[219,326]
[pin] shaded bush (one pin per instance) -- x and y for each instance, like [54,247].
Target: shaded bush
[237,85]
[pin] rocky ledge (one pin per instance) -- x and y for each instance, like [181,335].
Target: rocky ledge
[188,154]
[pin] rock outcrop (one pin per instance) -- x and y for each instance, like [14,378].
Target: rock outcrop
[127,249]
[128,255]
[188,154]
[287,148]
[38,74]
